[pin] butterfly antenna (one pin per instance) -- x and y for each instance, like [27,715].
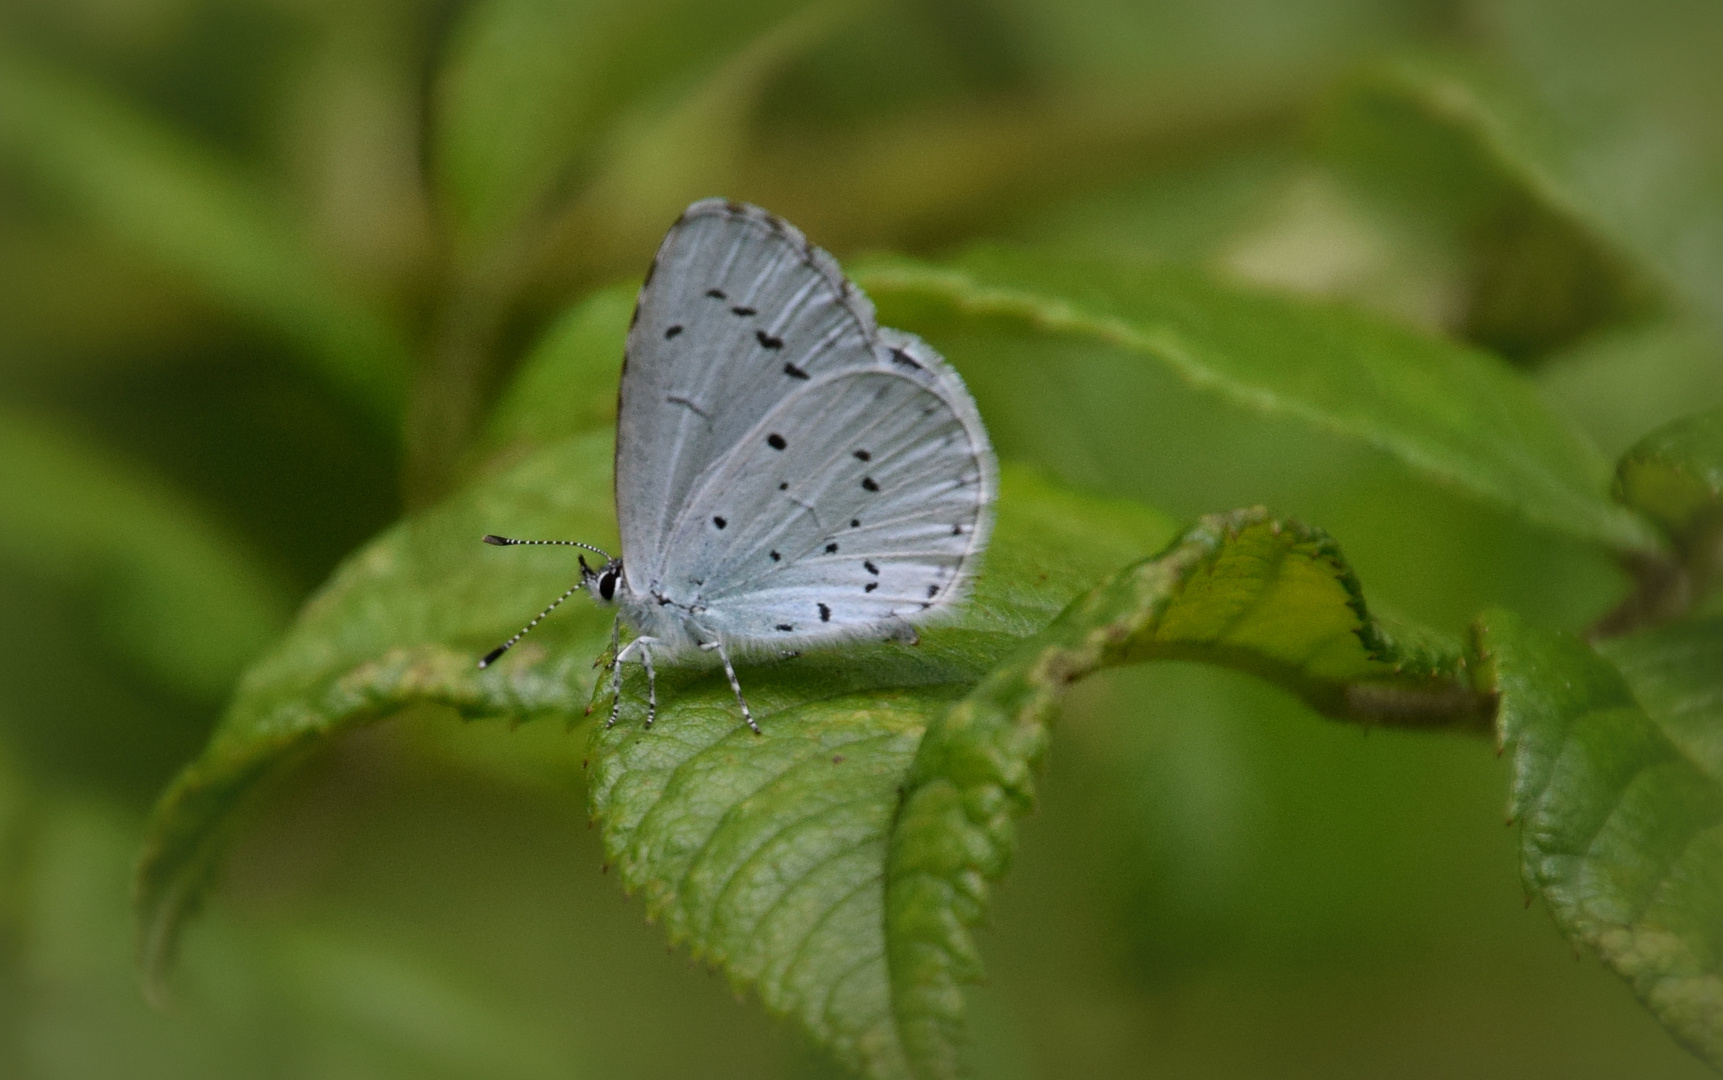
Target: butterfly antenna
[505,541]
[585,572]
[492,656]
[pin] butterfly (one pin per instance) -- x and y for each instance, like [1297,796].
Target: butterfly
[789,474]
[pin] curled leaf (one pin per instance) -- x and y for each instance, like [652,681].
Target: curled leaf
[1245,590]
[1674,476]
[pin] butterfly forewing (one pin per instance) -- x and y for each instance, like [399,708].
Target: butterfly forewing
[738,312]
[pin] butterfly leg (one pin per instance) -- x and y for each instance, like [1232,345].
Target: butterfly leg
[615,686]
[736,687]
[651,685]
[638,650]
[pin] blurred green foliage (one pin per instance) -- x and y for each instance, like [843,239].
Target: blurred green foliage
[276,274]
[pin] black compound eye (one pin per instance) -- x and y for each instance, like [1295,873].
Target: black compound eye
[607,585]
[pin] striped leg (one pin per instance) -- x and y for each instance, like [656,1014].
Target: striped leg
[736,687]
[651,686]
[639,650]
[615,686]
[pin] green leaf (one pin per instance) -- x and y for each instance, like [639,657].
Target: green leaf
[173,590]
[1618,386]
[1458,417]
[1615,91]
[403,620]
[134,178]
[1618,785]
[766,856]
[1674,476]
[1244,590]
[1445,139]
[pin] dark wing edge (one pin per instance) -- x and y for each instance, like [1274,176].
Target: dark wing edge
[940,377]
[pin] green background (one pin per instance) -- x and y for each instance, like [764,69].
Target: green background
[268,273]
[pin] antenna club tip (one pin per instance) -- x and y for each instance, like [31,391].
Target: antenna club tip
[499,541]
[491,657]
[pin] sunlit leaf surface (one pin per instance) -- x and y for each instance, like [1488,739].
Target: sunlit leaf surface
[1454,415]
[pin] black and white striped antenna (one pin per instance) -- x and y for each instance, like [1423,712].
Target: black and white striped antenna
[585,573]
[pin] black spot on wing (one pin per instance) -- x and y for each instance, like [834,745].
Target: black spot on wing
[767,341]
[776,441]
[795,372]
[898,356]
[932,591]
[869,483]
[871,568]
[863,455]
[855,523]
[832,548]
[870,586]
[717,294]
[776,557]
[672,331]
[720,522]
[825,613]
[742,311]
[785,627]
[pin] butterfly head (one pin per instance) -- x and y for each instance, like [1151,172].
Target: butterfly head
[603,583]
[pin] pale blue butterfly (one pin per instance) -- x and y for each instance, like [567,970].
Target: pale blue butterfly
[789,474]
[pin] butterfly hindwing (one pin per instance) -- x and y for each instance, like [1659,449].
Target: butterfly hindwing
[857,503]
